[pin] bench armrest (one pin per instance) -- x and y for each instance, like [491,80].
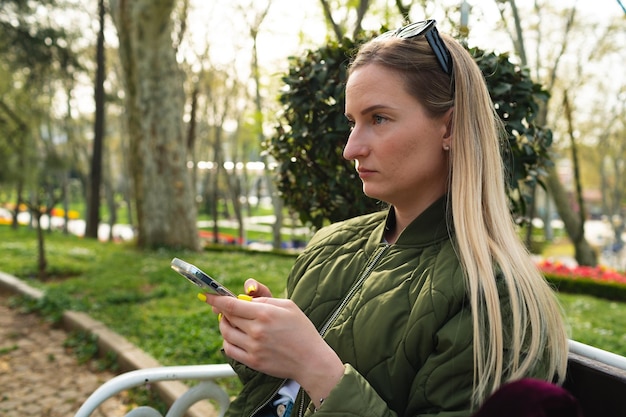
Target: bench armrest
[139,377]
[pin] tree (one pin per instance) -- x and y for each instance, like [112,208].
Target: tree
[44,196]
[37,57]
[33,52]
[221,91]
[254,26]
[551,70]
[321,186]
[154,94]
[612,151]
[93,201]
[340,28]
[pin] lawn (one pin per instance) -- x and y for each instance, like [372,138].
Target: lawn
[136,294]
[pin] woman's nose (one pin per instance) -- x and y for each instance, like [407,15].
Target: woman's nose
[355,147]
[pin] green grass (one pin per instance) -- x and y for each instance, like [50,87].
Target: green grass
[596,322]
[136,294]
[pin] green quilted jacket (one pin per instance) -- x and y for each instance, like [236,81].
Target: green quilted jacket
[397,316]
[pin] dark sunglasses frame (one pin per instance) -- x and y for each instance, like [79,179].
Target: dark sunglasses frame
[429,30]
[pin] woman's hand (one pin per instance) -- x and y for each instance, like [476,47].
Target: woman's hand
[275,337]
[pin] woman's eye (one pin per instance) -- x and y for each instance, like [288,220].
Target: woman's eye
[351,124]
[378,119]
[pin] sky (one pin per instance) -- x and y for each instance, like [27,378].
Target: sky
[285,25]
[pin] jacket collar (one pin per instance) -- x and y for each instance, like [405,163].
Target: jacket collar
[430,226]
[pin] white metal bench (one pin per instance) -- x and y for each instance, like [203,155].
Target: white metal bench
[205,389]
[596,377]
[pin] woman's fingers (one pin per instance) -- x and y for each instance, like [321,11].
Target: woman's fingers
[256,289]
[231,306]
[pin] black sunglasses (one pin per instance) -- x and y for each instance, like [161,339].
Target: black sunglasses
[429,30]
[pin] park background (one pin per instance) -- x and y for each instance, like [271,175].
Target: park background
[134,132]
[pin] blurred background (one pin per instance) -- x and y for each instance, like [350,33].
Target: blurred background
[159,122]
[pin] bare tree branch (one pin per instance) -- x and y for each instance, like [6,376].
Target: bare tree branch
[329,19]
[360,13]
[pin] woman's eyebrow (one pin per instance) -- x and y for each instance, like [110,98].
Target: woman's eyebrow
[373,108]
[369,109]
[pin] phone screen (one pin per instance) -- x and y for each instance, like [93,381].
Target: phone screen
[198,277]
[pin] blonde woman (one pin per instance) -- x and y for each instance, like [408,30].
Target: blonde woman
[428,307]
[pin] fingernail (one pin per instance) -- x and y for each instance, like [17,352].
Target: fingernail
[244,297]
[251,289]
[202,297]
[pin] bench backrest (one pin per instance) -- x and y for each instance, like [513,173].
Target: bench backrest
[599,386]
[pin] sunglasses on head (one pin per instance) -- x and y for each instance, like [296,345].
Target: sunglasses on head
[429,30]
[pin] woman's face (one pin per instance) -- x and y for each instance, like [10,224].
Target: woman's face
[398,149]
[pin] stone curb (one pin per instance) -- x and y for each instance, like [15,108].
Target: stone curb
[129,357]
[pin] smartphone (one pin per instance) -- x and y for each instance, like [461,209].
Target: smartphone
[196,276]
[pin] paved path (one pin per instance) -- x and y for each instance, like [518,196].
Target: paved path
[38,376]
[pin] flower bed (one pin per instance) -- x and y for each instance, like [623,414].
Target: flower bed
[599,281]
[601,273]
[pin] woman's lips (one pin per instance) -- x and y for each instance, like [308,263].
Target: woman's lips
[365,173]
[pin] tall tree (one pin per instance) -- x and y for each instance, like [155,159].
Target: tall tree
[612,162]
[37,57]
[154,94]
[93,202]
[573,220]
[32,51]
[254,25]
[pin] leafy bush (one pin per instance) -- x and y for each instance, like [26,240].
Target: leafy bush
[313,177]
[583,285]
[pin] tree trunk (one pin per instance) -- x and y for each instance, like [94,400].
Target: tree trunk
[164,202]
[42,264]
[574,223]
[219,166]
[18,202]
[110,198]
[277,201]
[584,253]
[95,180]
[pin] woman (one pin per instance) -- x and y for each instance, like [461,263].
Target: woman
[424,309]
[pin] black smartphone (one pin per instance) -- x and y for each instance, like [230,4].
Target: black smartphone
[198,277]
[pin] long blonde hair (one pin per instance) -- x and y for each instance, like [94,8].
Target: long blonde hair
[534,340]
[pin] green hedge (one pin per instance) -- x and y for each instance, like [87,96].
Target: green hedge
[604,289]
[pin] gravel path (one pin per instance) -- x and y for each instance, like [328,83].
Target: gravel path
[38,376]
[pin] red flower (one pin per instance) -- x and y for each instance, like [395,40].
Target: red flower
[600,273]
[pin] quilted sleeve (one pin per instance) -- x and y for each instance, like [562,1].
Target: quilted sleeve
[443,385]
[353,396]
[441,388]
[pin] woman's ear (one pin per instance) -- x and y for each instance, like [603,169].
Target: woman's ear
[448,120]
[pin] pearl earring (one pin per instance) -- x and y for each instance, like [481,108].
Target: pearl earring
[446,147]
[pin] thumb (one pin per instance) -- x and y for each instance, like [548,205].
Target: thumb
[256,289]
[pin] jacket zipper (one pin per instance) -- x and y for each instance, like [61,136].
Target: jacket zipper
[355,287]
[366,272]
[264,403]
